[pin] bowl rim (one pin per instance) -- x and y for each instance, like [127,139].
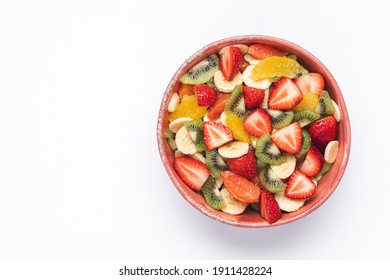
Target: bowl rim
[248,39]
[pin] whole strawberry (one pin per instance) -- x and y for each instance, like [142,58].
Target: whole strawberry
[245,165]
[323,131]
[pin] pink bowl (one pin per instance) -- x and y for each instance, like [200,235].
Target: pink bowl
[250,218]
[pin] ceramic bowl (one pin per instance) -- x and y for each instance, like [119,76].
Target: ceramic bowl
[250,218]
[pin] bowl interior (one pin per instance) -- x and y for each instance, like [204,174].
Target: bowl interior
[250,218]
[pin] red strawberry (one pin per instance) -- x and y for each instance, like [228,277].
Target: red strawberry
[284,95]
[312,82]
[323,131]
[193,172]
[313,162]
[260,51]
[288,138]
[216,135]
[205,95]
[218,107]
[252,97]
[299,186]
[245,165]
[258,122]
[269,207]
[230,62]
[240,188]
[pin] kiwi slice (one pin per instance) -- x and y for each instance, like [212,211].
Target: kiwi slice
[202,72]
[236,103]
[271,181]
[195,129]
[170,137]
[280,118]
[261,165]
[215,163]
[267,151]
[305,117]
[325,168]
[211,84]
[211,194]
[306,143]
[325,106]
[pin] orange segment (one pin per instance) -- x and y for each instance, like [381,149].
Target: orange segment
[188,108]
[186,90]
[309,102]
[276,66]
[236,126]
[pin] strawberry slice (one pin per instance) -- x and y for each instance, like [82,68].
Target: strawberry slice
[241,188]
[269,207]
[258,122]
[312,82]
[246,165]
[216,135]
[260,51]
[230,62]
[253,97]
[288,138]
[205,95]
[284,95]
[313,162]
[323,131]
[193,172]
[218,107]
[299,186]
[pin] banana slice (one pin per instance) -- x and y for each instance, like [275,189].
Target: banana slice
[233,206]
[331,151]
[184,142]
[264,104]
[179,154]
[173,103]
[219,182]
[224,85]
[175,125]
[285,169]
[250,59]
[199,157]
[336,114]
[254,141]
[251,82]
[243,48]
[233,149]
[288,204]
[222,119]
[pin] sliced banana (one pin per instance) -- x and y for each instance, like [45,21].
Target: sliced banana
[199,157]
[243,48]
[184,142]
[288,204]
[173,102]
[254,141]
[219,182]
[331,151]
[222,118]
[251,82]
[233,206]
[264,104]
[233,149]
[336,114]
[179,154]
[285,169]
[175,125]
[250,59]
[224,85]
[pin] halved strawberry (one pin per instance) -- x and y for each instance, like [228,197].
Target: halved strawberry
[313,162]
[252,97]
[299,186]
[269,207]
[284,95]
[230,62]
[241,188]
[258,122]
[312,82]
[216,135]
[205,95]
[246,165]
[218,107]
[193,172]
[260,51]
[323,131]
[288,138]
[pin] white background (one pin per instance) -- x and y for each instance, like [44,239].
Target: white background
[80,89]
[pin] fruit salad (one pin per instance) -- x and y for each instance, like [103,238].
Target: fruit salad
[252,130]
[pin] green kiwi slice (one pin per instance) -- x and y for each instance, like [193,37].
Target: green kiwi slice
[271,181]
[236,103]
[212,195]
[215,163]
[267,151]
[170,137]
[202,72]
[305,117]
[306,143]
[325,106]
[280,118]
[195,129]
[325,168]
